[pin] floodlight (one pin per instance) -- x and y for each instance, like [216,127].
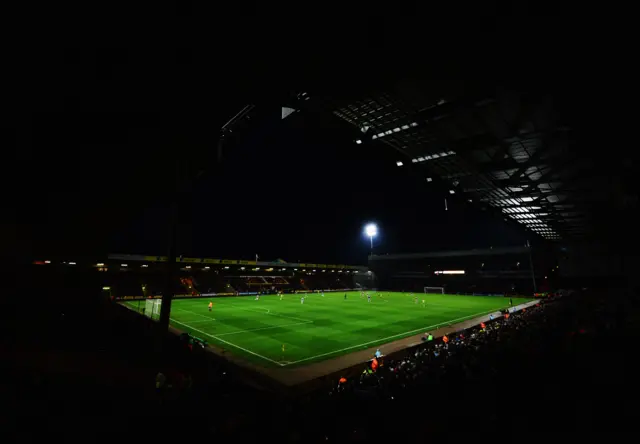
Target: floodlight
[371,230]
[358,141]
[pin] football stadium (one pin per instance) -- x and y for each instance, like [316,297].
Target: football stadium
[296,322]
[273,333]
[383,249]
[281,324]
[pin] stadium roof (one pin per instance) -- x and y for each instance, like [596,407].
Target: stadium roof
[507,151]
[515,150]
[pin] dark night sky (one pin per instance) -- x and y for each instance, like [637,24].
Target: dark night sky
[99,136]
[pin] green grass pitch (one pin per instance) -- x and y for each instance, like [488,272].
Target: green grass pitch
[322,327]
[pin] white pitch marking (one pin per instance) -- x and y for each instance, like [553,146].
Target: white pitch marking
[228,343]
[204,320]
[264,328]
[270,314]
[394,336]
[193,312]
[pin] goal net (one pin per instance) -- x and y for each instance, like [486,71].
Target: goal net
[152,308]
[436,290]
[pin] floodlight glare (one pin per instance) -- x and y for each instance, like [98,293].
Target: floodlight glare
[371,230]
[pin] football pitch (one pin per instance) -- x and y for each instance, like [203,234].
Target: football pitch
[275,333]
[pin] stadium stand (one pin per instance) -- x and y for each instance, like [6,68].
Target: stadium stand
[145,282]
[483,271]
[561,364]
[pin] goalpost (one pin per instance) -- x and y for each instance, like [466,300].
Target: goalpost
[433,290]
[152,308]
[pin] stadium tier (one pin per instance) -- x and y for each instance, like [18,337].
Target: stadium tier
[133,277]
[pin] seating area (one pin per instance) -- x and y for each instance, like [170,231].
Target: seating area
[560,365]
[142,283]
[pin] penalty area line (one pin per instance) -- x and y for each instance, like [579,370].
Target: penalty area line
[229,343]
[264,328]
[266,311]
[406,333]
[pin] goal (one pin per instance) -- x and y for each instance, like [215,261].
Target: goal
[438,290]
[152,308]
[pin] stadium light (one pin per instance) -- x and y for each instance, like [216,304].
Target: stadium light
[47,262]
[72,263]
[371,230]
[358,141]
[206,268]
[399,163]
[100,264]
